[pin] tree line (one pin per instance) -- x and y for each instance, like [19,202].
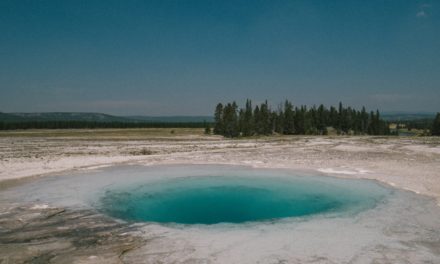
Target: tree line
[6,125]
[435,130]
[232,121]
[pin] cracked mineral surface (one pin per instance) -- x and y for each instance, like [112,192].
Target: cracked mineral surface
[404,230]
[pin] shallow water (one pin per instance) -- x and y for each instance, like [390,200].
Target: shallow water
[366,222]
[237,199]
[205,194]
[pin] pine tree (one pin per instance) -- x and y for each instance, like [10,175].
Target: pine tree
[248,121]
[264,126]
[289,122]
[257,120]
[333,117]
[372,124]
[364,120]
[230,120]
[435,130]
[299,120]
[218,119]
[241,123]
[278,119]
[321,118]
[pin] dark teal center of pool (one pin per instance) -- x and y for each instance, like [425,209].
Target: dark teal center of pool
[212,200]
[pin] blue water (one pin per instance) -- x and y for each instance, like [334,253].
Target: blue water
[235,199]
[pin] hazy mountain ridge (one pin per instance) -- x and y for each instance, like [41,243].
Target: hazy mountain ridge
[172,119]
[98,117]
[407,116]
[60,116]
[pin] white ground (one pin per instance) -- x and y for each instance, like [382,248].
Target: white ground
[405,230]
[407,163]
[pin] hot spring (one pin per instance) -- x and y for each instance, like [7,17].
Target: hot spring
[226,214]
[227,199]
[207,194]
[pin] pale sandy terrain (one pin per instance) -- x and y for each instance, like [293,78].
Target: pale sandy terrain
[408,163]
[405,229]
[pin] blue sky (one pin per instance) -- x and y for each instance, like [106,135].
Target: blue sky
[182,57]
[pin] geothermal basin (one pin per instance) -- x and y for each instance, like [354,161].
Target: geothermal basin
[206,194]
[235,214]
[238,199]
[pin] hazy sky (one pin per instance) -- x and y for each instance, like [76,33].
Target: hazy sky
[182,57]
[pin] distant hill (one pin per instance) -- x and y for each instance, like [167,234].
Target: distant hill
[98,117]
[172,119]
[5,117]
[61,116]
[407,116]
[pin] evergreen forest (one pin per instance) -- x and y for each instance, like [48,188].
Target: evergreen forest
[287,119]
